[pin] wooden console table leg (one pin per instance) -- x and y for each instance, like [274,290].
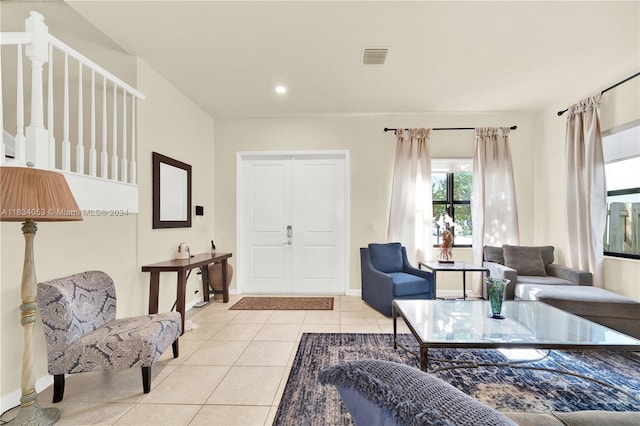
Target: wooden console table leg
[182,289]
[225,284]
[205,282]
[154,288]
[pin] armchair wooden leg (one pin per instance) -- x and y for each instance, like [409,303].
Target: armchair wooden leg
[146,379]
[176,349]
[58,387]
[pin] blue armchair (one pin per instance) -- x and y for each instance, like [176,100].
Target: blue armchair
[387,275]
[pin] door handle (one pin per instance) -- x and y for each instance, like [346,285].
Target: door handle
[289,235]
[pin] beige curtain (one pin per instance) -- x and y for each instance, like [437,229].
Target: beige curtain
[494,211]
[410,215]
[586,189]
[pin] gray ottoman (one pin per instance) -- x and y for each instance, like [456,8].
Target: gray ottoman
[596,304]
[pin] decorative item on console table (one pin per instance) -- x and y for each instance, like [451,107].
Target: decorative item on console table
[27,195]
[444,224]
[183,251]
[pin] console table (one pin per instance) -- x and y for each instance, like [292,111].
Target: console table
[182,266]
[463,267]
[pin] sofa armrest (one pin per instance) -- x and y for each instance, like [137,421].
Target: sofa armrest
[570,274]
[497,270]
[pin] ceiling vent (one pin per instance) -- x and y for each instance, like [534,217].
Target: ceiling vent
[374,56]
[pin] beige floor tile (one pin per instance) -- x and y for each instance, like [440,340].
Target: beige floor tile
[358,318]
[320,328]
[387,326]
[156,414]
[231,415]
[288,317]
[123,386]
[239,387]
[217,316]
[218,352]
[237,332]
[322,317]
[187,385]
[266,354]
[252,317]
[279,332]
[205,331]
[97,413]
[186,349]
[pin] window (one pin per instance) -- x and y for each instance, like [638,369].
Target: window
[621,149]
[451,184]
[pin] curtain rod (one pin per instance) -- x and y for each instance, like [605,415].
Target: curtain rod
[388,129]
[607,89]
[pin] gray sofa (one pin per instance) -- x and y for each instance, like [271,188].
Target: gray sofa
[386,393]
[534,276]
[530,265]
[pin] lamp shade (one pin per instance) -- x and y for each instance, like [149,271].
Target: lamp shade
[40,195]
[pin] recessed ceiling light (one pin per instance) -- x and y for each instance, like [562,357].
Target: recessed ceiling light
[281,90]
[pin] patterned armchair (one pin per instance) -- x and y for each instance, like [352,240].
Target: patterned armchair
[82,333]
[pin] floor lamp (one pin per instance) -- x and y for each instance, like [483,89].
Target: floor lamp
[29,195]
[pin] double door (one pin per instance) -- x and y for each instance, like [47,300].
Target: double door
[292,226]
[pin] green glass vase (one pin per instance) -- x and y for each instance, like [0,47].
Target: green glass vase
[497,288]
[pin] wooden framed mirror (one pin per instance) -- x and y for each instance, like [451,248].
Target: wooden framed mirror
[171,193]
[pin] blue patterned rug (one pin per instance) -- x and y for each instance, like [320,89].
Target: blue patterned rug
[306,401]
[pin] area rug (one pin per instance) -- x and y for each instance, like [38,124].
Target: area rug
[285,303]
[306,401]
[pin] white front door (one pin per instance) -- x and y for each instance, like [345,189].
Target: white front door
[292,227]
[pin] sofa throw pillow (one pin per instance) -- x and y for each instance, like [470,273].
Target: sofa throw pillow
[493,254]
[386,257]
[384,392]
[547,254]
[525,260]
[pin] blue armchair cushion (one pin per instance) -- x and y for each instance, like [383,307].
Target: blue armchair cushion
[386,257]
[407,284]
[387,393]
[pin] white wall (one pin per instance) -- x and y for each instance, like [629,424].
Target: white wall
[372,155]
[619,106]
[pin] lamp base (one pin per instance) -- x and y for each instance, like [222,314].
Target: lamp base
[34,415]
[497,316]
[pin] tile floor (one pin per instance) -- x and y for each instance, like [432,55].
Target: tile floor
[232,369]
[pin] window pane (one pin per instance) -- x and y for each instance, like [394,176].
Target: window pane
[462,185]
[462,218]
[439,186]
[623,174]
[621,150]
[622,233]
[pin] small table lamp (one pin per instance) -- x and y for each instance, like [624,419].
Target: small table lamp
[29,195]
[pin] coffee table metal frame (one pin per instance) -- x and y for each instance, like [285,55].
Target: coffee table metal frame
[525,338]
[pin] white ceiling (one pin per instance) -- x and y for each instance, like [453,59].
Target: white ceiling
[444,56]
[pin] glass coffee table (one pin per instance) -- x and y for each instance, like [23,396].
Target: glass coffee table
[527,325]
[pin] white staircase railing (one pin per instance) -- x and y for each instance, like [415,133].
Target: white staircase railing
[103,102]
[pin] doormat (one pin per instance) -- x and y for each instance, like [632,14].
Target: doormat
[284,303]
